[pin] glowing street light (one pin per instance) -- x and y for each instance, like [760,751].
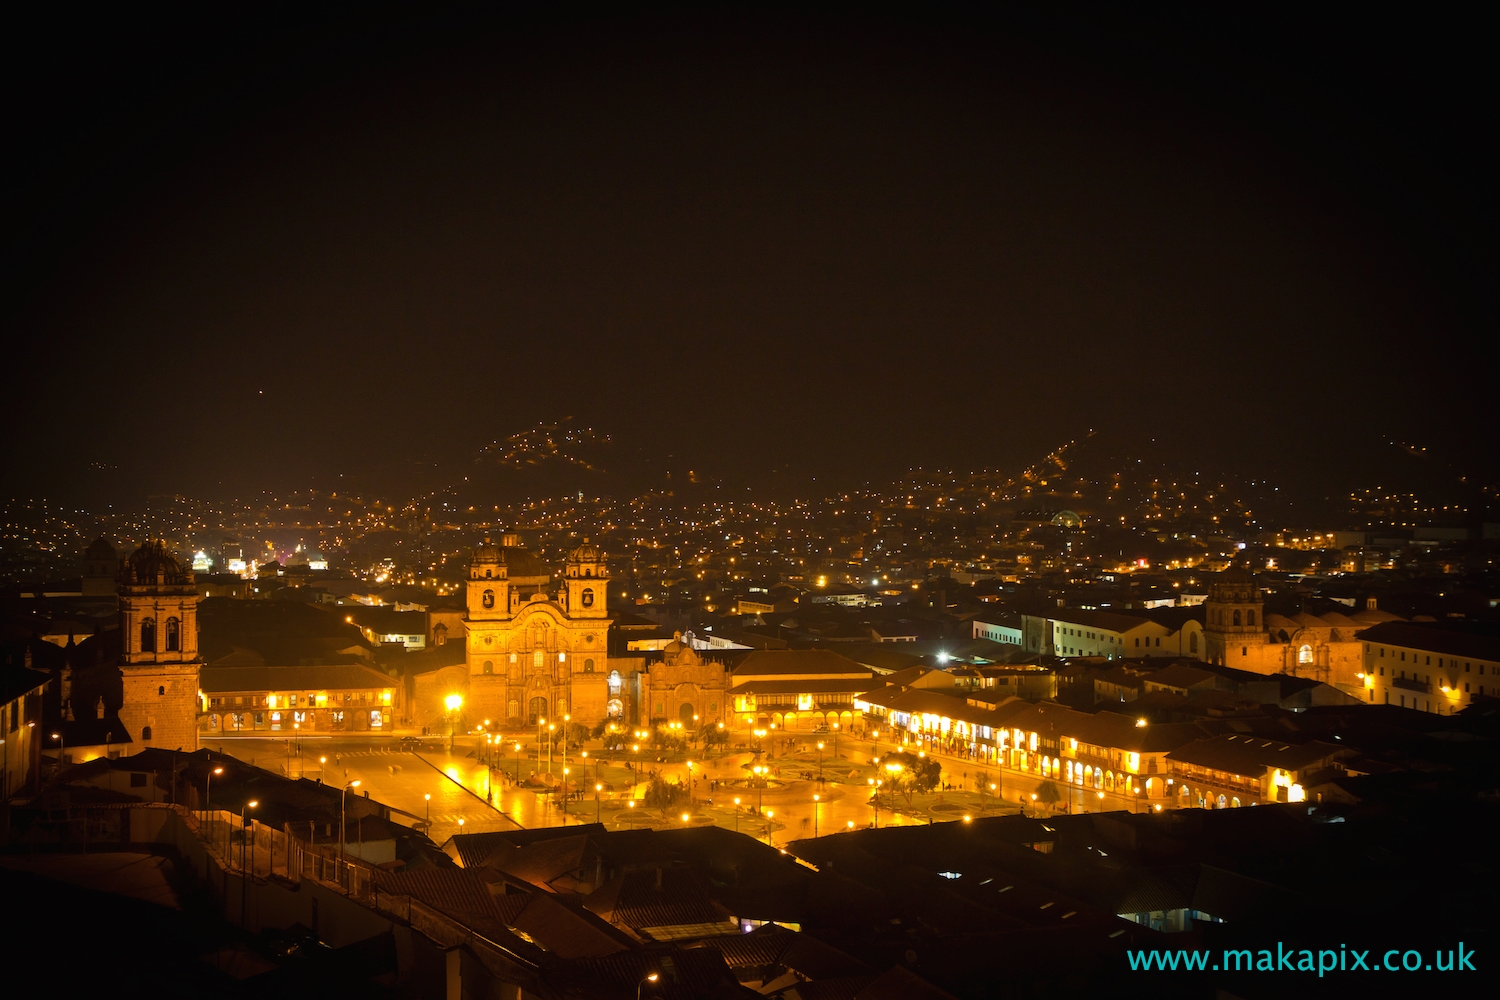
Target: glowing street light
[454,703]
[208,785]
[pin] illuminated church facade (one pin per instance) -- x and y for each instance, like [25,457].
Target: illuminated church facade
[533,652]
[1238,633]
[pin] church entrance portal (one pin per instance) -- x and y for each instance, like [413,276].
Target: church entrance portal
[685,714]
[536,709]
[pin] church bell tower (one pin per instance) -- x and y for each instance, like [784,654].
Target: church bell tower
[160,666]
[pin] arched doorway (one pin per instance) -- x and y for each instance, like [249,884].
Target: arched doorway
[536,709]
[685,713]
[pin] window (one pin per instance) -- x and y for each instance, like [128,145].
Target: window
[1249,617]
[489,666]
[588,666]
[148,635]
[488,599]
[145,732]
[174,636]
[1236,616]
[1193,642]
[536,659]
[587,599]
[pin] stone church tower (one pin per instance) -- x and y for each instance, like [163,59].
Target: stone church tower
[159,666]
[533,654]
[1234,632]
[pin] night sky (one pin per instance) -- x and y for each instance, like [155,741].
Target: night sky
[245,255]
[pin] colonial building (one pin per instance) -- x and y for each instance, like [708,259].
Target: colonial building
[159,663]
[534,652]
[1439,667]
[324,698]
[684,686]
[1238,633]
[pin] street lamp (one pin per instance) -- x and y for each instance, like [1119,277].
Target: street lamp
[208,784]
[343,814]
[820,762]
[769,814]
[690,784]
[736,814]
[518,763]
[428,797]
[816,799]
[454,703]
[322,768]
[642,984]
[244,826]
[62,748]
[597,789]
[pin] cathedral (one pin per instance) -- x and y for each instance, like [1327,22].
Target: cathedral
[534,653]
[1238,633]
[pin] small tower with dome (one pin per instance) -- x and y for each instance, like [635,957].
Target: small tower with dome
[489,583]
[1234,620]
[159,665]
[587,580]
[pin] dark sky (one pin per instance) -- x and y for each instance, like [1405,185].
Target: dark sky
[258,254]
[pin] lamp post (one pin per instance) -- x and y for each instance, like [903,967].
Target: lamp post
[62,748]
[343,816]
[770,813]
[566,719]
[322,768]
[598,787]
[454,702]
[551,728]
[835,741]
[244,837]
[820,763]
[428,796]
[518,762]
[816,799]
[208,787]
[642,984]
[690,784]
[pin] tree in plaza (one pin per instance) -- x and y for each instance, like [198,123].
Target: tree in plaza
[667,740]
[909,775]
[663,795]
[714,736]
[1047,794]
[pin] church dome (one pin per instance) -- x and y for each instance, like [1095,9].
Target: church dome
[101,550]
[586,553]
[153,564]
[488,553]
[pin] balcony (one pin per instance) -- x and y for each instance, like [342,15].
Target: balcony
[1412,684]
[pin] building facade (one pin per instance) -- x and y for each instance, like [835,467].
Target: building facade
[534,652]
[1238,633]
